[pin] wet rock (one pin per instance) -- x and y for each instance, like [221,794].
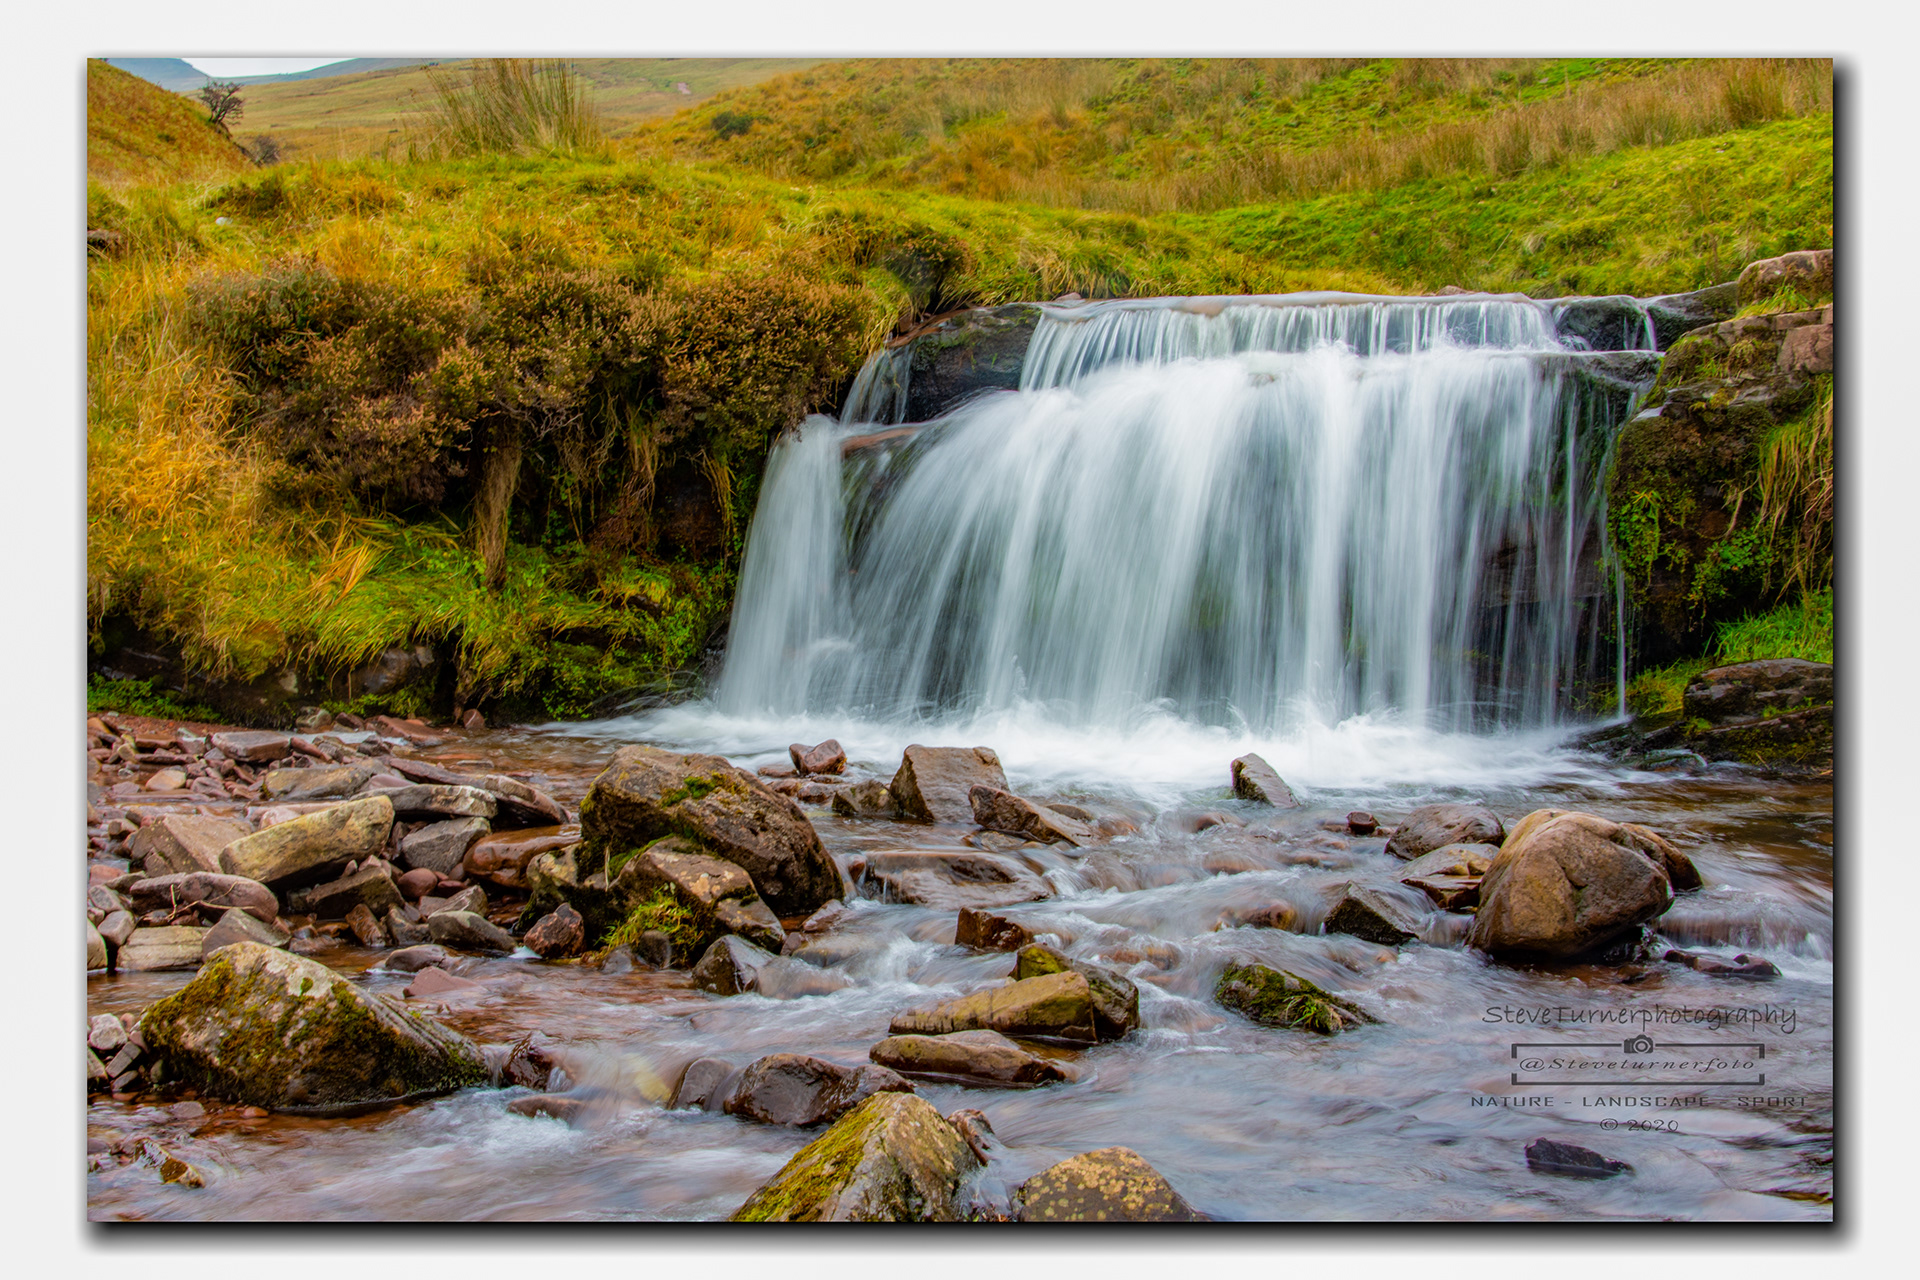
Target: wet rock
[1275,915]
[413,959]
[1449,893]
[1367,912]
[1116,1001]
[646,793]
[96,948]
[105,1034]
[366,928]
[561,932]
[116,927]
[1435,826]
[241,926]
[1361,823]
[934,784]
[436,800]
[1453,860]
[465,931]
[559,1106]
[1742,966]
[252,746]
[418,883]
[989,932]
[435,983]
[165,947]
[977,1057]
[998,810]
[867,799]
[718,895]
[167,780]
[263,1027]
[790,979]
[729,966]
[827,757]
[795,1089]
[1568,882]
[1544,1155]
[654,948]
[337,781]
[204,889]
[519,804]
[950,881]
[313,845]
[890,1159]
[1254,779]
[472,898]
[1276,998]
[531,1061]
[502,858]
[1750,690]
[1057,1006]
[181,842]
[701,1085]
[371,886]
[1111,1185]
[405,932]
[1194,821]
[441,847]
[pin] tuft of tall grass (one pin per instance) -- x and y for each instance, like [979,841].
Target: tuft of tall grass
[1794,485]
[1801,628]
[510,106]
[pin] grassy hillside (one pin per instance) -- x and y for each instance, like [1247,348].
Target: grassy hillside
[516,405]
[345,116]
[138,133]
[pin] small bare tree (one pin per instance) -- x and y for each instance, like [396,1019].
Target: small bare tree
[223,102]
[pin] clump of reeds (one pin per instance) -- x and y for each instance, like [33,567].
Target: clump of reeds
[510,106]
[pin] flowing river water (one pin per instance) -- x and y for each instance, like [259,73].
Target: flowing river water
[1343,628]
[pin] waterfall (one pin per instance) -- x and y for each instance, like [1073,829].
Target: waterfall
[1265,513]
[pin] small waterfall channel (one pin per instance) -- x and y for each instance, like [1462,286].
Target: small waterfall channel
[1262,513]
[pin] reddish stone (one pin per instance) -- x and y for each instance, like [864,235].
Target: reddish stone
[826,757]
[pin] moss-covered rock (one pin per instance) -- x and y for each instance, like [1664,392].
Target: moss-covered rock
[1277,998]
[270,1029]
[1057,1006]
[1116,1000]
[893,1158]
[1112,1185]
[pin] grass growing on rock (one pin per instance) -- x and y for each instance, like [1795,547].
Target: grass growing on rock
[661,911]
[1800,628]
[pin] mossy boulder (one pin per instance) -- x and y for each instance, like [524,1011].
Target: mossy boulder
[1116,1000]
[1276,998]
[1112,1185]
[1056,1006]
[313,846]
[724,812]
[893,1158]
[271,1029]
[717,896]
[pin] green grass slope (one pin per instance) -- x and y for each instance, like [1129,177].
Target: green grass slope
[138,133]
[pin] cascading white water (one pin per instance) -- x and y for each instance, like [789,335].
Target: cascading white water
[1269,514]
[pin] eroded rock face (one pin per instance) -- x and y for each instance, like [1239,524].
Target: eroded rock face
[1748,691]
[183,842]
[1111,1185]
[271,1029]
[441,846]
[1057,1006]
[796,1089]
[934,784]
[893,1158]
[979,1057]
[1254,779]
[312,846]
[1569,882]
[998,810]
[646,793]
[1435,826]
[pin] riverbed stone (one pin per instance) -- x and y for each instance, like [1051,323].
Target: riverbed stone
[647,793]
[1256,780]
[366,927]
[105,1034]
[999,810]
[1114,1184]
[729,966]
[441,846]
[934,784]
[867,799]
[417,884]
[181,842]
[502,857]
[1544,1155]
[1277,998]
[893,1158]
[403,931]
[203,889]
[797,1089]
[465,931]
[472,898]
[312,846]
[561,932]
[436,983]
[164,947]
[1569,882]
[1365,911]
[1116,1000]
[825,757]
[370,886]
[412,959]
[96,948]
[521,804]
[1055,1006]
[987,932]
[1436,826]
[240,926]
[264,1027]
[253,746]
[431,800]
[1453,860]
[977,1057]
[701,1085]
[949,881]
[116,927]
[318,783]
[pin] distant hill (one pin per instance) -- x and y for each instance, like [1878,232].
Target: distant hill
[138,132]
[168,73]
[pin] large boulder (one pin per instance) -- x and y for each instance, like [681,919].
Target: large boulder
[717,895]
[1057,1006]
[1435,826]
[312,846]
[165,947]
[998,810]
[1746,691]
[1116,1001]
[272,1029]
[183,842]
[1111,1185]
[795,1089]
[441,846]
[646,793]
[893,1158]
[1809,272]
[1276,998]
[935,784]
[319,783]
[426,800]
[972,1057]
[1254,779]
[1565,883]
[205,891]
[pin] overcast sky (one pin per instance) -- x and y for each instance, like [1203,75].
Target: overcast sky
[256,66]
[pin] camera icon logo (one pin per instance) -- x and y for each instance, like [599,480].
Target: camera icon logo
[1638,1044]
